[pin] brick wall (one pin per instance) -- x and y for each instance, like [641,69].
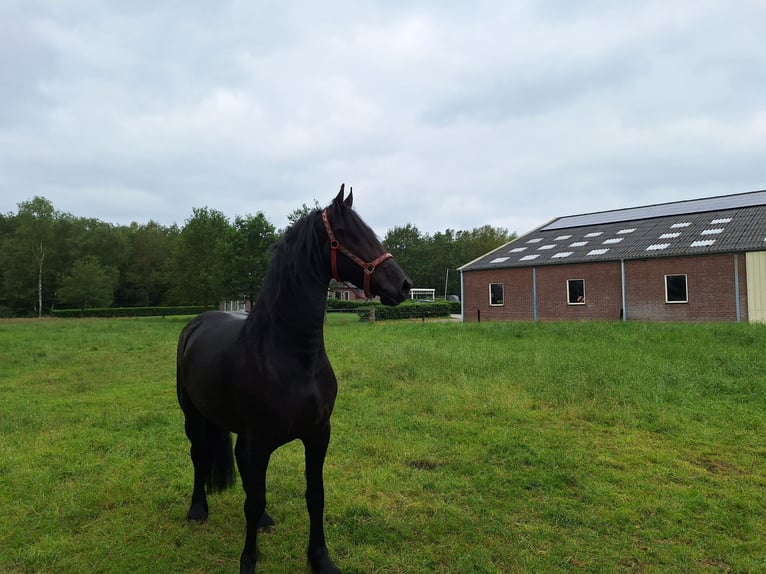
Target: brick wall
[710,288]
[603,291]
[709,283]
[517,286]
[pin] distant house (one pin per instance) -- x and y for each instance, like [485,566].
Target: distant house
[340,291]
[236,306]
[344,292]
[698,260]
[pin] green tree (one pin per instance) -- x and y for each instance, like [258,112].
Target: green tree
[481,240]
[203,250]
[7,226]
[92,237]
[250,256]
[89,284]
[432,260]
[80,237]
[406,243]
[27,277]
[146,276]
[301,211]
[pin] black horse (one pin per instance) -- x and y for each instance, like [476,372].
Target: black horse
[267,378]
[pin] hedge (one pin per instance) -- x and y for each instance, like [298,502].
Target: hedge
[412,311]
[129,311]
[407,310]
[340,305]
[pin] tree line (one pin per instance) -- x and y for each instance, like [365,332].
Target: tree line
[50,259]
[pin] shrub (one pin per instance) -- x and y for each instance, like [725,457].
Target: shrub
[408,311]
[346,305]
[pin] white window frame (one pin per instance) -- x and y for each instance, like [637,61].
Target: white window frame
[583,292]
[686,288]
[502,292]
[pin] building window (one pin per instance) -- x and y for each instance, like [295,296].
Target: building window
[496,296]
[576,291]
[675,289]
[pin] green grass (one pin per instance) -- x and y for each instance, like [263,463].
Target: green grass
[477,448]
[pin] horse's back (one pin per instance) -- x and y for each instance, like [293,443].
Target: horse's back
[212,325]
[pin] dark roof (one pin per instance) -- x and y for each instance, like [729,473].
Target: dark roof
[731,223]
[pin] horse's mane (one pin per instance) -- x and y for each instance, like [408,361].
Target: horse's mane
[293,258]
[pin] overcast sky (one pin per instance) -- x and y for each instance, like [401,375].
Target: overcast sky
[442,114]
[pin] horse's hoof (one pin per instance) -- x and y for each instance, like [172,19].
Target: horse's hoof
[265,523]
[197,513]
[246,565]
[322,564]
[328,568]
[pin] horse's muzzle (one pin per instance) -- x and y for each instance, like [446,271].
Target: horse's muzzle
[392,285]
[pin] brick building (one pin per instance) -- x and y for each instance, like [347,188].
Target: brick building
[346,292]
[699,260]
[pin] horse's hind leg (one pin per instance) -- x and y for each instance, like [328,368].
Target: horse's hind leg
[202,458]
[212,457]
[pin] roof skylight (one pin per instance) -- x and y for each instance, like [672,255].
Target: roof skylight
[594,234]
[578,244]
[624,231]
[548,246]
[517,250]
[670,235]
[715,231]
[598,251]
[500,259]
[719,221]
[702,243]
[562,237]
[684,224]
[529,257]
[562,254]
[613,240]
[658,246]
[535,240]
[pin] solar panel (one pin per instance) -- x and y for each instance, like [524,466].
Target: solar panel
[660,210]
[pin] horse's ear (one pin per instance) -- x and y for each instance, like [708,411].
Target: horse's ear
[350,199]
[339,198]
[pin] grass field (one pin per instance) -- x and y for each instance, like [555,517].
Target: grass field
[481,448]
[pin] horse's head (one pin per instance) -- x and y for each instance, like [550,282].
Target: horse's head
[356,255]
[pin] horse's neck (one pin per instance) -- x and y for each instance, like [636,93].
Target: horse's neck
[294,316]
[289,311]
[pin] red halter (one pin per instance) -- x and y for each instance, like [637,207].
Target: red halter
[335,246]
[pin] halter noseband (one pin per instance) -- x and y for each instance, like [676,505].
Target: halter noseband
[335,246]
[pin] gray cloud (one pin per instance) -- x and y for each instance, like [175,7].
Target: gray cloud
[439,114]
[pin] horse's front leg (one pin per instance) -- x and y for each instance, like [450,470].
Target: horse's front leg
[316,449]
[252,461]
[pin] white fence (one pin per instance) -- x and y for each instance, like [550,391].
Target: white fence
[423,294]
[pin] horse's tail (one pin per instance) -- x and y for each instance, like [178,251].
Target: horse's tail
[222,474]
